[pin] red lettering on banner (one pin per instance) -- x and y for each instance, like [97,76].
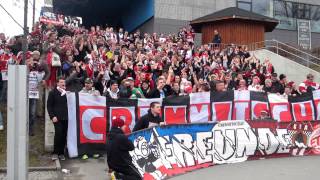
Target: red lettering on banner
[221,111]
[281,112]
[93,124]
[257,107]
[241,110]
[127,114]
[303,111]
[199,113]
[175,114]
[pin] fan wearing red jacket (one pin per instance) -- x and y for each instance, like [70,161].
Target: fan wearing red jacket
[308,85]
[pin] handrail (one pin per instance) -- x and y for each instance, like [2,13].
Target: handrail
[315,64]
[308,54]
[279,42]
[308,60]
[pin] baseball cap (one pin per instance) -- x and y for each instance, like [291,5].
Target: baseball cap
[88,81]
[130,79]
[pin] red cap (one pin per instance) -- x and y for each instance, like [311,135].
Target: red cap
[117,122]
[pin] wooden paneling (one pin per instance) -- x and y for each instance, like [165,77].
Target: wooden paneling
[234,31]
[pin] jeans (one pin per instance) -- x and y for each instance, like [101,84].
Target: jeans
[32,112]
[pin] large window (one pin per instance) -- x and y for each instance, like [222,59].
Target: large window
[245,4]
[261,7]
[288,12]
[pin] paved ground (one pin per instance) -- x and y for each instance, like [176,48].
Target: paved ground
[85,170]
[294,168]
[40,175]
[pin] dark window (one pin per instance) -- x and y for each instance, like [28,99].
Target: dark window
[245,4]
[261,7]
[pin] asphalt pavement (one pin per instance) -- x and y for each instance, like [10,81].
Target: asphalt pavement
[292,168]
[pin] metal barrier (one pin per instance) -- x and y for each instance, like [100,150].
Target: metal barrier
[289,52]
[282,49]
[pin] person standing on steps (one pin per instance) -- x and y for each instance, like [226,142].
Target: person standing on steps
[58,113]
[89,89]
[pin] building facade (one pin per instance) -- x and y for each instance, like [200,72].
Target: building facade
[171,15]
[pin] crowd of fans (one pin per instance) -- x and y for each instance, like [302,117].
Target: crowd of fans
[118,64]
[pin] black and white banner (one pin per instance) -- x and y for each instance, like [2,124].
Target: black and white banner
[90,116]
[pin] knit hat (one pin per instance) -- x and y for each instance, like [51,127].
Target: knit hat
[117,122]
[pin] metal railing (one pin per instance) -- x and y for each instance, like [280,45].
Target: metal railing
[282,49]
[289,52]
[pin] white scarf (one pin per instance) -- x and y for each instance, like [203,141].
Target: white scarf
[62,91]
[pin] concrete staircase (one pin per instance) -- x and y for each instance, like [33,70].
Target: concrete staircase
[295,71]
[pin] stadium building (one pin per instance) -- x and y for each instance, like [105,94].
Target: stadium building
[168,16]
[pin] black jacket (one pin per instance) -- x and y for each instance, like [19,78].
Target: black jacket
[118,147]
[1,83]
[277,87]
[217,39]
[57,105]
[143,123]
[155,93]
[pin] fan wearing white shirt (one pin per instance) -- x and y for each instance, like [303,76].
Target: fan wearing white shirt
[255,86]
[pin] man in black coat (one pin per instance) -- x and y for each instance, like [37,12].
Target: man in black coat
[151,119]
[161,91]
[58,113]
[118,157]
[216,39]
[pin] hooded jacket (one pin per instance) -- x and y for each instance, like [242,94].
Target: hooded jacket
[118,147]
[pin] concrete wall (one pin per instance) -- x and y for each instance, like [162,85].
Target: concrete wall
[170,15]
[189,9]
[148,26]
[294,71]
[162,25]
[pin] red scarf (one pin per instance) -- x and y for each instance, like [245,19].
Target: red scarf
[51,82]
